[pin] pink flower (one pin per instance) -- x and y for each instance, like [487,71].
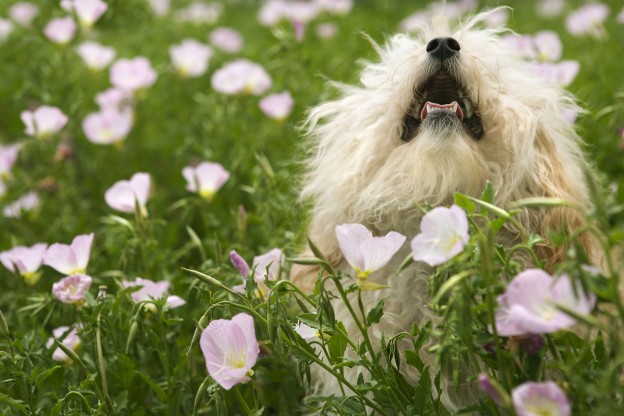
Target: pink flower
[587,20]
[199,13]
[160,7]
[6,27]
[25,260]
[620,17]
[523,46]
[548,45]
[339,7]
[60,30]
[266,266]
[2,189]
[107,126]
[71,341]
[72,289]
[326,30]
[549,8]
[87,11]
[70,259]
[152,291]
[277,106]
[239,262]
[44,122]
[273,11]
[96,56]
[114,98]
[415,22]
[561,73]
[529,305]
[306,332]
[365,253]
[132,74]
[125,195]
[241,76]
[205,179]
[227,39]
[190,58]
[497,18]
[547,398]
[23,13]
[27,202]
[231,349]
[8,156]
[443,235]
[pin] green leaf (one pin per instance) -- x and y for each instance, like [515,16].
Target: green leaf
[412,358]
[375,314]
[449,284]
[154,386]
[463,202]
[17,404]
[46,374]
[488,193]
[337,345]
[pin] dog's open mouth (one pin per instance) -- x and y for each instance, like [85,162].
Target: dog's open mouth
[441,99]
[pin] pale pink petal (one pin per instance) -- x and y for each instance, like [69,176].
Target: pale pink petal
[547,398]
[72,289]
[61,258]
[81,245]
[175,301]
[272,260]
[350,238]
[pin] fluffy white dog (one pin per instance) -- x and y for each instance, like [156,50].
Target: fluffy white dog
[437,114]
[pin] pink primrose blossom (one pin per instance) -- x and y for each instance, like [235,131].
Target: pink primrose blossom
[241,76]
[70,259]
[25,260]
[87,11]
[588,20]
[125,195]
[43,122]
[6,27]
[549,8]
[367,254]
[72,289]
[60,30]
[326,30]
[266,266]
[529,305]
[133,74]
[151,290]
[337,7]
[548,45]
[530,399]
[108,126]
[227,39]
[114,98]
[8,156]
[231,349]
[561,73]
[205,179]
[443,235]
[96,56]
[23,13]
[25,203]
[160,7]
[306,332]
[71,341]
[277,106]
[190,58]
[199,13]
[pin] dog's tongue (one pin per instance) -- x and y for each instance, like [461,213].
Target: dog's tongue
[452,107]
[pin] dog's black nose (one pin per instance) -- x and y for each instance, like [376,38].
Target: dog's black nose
[443,48]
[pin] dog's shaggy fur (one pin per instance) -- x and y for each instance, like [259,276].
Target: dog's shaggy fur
[374,161]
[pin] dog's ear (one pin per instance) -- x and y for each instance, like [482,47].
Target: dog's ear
[559,173]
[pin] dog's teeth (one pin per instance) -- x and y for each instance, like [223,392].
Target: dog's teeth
[469,109]
[429,108]
[454,107]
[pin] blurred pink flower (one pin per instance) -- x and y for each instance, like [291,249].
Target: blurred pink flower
[199,13]
[72,289]
[152,291]
[27,202]
[365,253]
[326,30]
[547,398]
[415,22]
[96,56]
[25,260]
[160,7]
[522,46]
[277,106]
[491,389]
[620,17]
[113,98]
[3,189]
[570,115]
[548,45]
[23,13]
[231,349]
[6,27]
[44,122]
[241,76]
[71,341]
[8,156]
[587,20]
[273,11]
[443,235]
[190,58]
[70,259]
[239,262]
[561,73]
[107,126]
[549,8]
[266,266]
[227,39]
[205,179]
[125,195]
[60,30]
[132,74]
[339,7]
[87,11]
[497,18]
[528,306]
[306,332]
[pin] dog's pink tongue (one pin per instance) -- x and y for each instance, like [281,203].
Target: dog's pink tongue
[452,107]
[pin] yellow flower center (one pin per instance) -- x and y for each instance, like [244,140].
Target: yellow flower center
[207,194]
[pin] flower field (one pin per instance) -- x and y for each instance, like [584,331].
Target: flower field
[151,160]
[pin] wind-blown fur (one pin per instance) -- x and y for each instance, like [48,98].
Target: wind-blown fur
[360,171]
